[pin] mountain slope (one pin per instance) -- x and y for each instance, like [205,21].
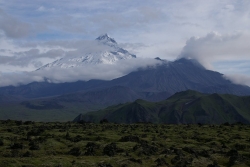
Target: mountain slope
[152,83]
[103,97]
[46,89]
[186,107]
[180,75]
[8,98]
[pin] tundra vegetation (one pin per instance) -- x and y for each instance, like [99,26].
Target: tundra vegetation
[104,144]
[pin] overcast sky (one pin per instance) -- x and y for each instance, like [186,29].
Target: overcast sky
[216,32]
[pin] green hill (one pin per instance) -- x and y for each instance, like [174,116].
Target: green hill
[187,107]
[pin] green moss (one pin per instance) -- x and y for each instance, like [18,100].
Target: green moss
[208,143]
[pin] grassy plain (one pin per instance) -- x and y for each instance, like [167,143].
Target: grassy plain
[17,111]
[58,144]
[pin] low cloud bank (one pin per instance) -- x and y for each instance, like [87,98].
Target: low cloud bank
[238,79]
[216,47]
[84,73]
[226,51]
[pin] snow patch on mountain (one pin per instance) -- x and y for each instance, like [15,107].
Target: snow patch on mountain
[109,54]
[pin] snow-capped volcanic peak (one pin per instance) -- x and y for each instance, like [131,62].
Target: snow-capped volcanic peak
[107,40]
[109,54]
[106,37]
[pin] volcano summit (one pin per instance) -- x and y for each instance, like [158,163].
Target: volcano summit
[108,52]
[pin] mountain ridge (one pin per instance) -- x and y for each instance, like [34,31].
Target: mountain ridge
[187,107]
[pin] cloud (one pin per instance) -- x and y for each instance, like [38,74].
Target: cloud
[160,18]
[12,27]
[29,59]
[78,18]
[239,79]
[34,56]
[85,73]
[28,56]
[216,47]
[16,79]
[230,67]
[5,59]
[43,9]
[226,53]
[34,33]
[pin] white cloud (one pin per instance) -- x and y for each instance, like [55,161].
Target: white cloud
[239,79]
[28,56]
[41,9]
[85,73]
[216,47]
[13,27]
[226,53]
[16,79]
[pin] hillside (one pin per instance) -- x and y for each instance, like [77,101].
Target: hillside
[188,107]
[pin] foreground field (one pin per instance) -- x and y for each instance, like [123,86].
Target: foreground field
[29,144]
